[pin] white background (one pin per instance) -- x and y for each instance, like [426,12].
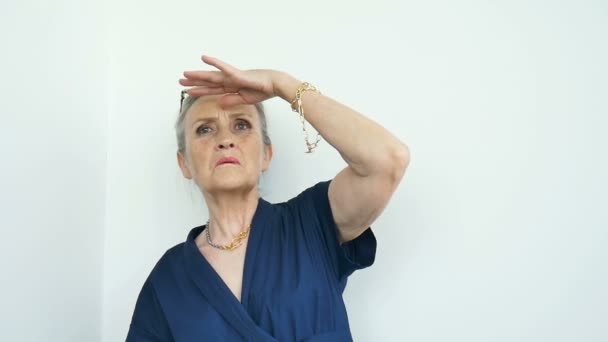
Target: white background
[498,231]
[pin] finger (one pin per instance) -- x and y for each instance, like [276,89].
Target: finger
[199,91]
[230,100]
[209,76]
[216,62]
[188,82]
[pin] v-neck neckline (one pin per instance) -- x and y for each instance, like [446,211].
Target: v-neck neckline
[258,223]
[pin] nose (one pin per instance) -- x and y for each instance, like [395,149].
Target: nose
[225,144]
[225,141]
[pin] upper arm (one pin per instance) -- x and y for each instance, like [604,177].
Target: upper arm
[357,201]
[148,323]
[319,234]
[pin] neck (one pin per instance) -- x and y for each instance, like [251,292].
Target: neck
[230,213]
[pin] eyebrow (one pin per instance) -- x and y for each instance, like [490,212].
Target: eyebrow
[213,119]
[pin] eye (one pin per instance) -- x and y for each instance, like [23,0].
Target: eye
[242,123]
[201,129]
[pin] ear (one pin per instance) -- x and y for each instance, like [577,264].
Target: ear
[182,165]
[267,157]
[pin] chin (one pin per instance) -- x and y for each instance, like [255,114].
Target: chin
[229,182]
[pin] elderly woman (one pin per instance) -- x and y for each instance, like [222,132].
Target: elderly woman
[260,271]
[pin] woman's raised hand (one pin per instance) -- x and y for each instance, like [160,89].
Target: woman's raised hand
[239,86]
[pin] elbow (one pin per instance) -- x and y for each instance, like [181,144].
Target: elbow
[398,163]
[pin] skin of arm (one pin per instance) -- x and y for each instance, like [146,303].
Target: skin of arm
[376,159]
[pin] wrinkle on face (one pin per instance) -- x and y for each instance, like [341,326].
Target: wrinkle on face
[203,150]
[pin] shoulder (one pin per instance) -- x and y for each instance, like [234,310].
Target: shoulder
[314,195]
[168,262]
[309,204]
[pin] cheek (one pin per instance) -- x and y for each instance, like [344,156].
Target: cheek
[200,152]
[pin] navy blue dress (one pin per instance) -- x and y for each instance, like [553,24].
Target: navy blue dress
[294,275]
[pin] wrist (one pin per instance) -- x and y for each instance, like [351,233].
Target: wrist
[285,86]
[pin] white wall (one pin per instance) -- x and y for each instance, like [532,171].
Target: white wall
[53,111]
[496,234]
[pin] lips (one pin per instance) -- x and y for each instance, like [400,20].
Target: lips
[228,160]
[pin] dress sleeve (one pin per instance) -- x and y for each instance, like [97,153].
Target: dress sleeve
[314,209]
[148,323]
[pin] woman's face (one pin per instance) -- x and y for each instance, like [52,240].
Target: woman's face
[212,133]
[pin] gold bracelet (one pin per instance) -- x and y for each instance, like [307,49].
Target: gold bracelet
[298,100]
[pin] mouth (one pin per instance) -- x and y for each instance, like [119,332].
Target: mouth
[228,160]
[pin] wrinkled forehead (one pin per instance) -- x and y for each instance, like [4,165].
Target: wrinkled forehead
[206,107]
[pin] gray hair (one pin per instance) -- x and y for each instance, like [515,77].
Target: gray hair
[180,132]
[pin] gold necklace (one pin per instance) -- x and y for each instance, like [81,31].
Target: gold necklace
[236,242]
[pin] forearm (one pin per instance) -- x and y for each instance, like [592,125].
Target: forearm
[366,146]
